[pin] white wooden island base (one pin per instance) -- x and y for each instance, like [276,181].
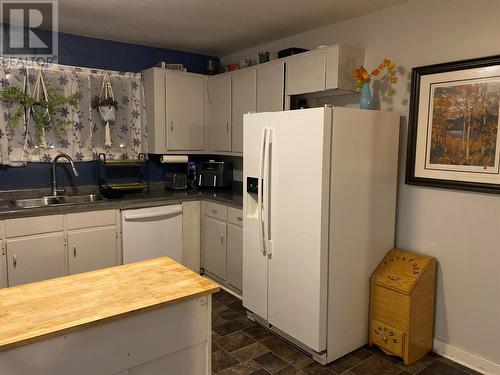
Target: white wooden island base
[151,317]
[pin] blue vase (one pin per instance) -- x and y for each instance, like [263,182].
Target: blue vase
[365,101]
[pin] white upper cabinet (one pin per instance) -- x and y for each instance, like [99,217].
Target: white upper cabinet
[305,74]
[219,94]
[189,112]
[175,110]
[185,111]
[323,69]
[154,93]
[270,87]
[341,60]
[243,100]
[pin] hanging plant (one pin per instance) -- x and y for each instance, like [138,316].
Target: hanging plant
[106,105]
[43,109]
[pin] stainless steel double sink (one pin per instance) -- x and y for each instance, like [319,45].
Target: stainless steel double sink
[52,200]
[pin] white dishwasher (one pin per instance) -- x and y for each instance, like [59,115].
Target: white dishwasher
[151,233]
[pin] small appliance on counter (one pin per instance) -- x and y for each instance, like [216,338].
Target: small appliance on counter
[175,180]
[212,173]
[176,176]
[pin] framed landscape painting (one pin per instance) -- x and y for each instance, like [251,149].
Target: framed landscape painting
[453,130]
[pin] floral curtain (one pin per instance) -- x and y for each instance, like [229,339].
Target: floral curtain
[83,139]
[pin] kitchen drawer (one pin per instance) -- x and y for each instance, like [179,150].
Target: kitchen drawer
[389,338]
[90,219]
[33,225]
[217,211]
[235,216]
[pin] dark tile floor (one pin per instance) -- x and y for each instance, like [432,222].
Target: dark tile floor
[241,347]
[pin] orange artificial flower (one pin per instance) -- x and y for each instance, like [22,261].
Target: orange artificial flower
[362,76]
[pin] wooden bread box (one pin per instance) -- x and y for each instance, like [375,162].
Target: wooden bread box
[402,305]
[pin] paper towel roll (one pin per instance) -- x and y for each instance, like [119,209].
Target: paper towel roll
[174,159]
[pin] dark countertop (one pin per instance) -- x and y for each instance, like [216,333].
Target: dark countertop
[155,197]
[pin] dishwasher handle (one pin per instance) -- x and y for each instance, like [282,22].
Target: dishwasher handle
[167,212]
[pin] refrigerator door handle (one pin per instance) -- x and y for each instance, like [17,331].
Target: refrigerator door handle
[259,191]
[267,187]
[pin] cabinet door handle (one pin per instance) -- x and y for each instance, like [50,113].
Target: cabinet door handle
[239,218]
[227,127]
[74,250]
[222,239]
[14,260]
[214,211]
[171,126]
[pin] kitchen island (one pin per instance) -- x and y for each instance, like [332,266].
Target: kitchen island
[142,318]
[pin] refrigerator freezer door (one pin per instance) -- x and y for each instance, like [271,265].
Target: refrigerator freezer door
[299,201]
[254,260]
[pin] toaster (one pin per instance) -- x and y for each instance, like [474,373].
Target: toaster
[217,174]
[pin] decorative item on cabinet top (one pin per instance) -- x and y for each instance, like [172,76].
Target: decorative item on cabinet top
[178,67]
[363,79]
[402,305]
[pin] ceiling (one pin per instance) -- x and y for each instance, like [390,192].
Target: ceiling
[213,27]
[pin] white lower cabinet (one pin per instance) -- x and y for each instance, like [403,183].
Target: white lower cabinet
[92,249]
[3,258]
[222,244]
[35,258]
[191,235]
[215,247]
[45,247]
[235,255]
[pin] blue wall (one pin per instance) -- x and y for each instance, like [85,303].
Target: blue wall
[97,53]
[39,175]
[106,54]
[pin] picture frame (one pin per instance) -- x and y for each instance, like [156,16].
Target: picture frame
[454,126]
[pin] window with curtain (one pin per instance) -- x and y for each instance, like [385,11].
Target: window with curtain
[83,138]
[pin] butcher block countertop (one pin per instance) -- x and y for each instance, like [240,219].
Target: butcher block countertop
[37,311]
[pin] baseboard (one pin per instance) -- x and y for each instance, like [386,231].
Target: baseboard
[222,285]
[465,358]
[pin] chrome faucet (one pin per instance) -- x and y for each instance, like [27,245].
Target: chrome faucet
[55,190]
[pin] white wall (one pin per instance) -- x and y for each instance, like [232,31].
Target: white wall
[461,229]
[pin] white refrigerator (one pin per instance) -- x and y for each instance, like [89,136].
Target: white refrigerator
[319,215]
